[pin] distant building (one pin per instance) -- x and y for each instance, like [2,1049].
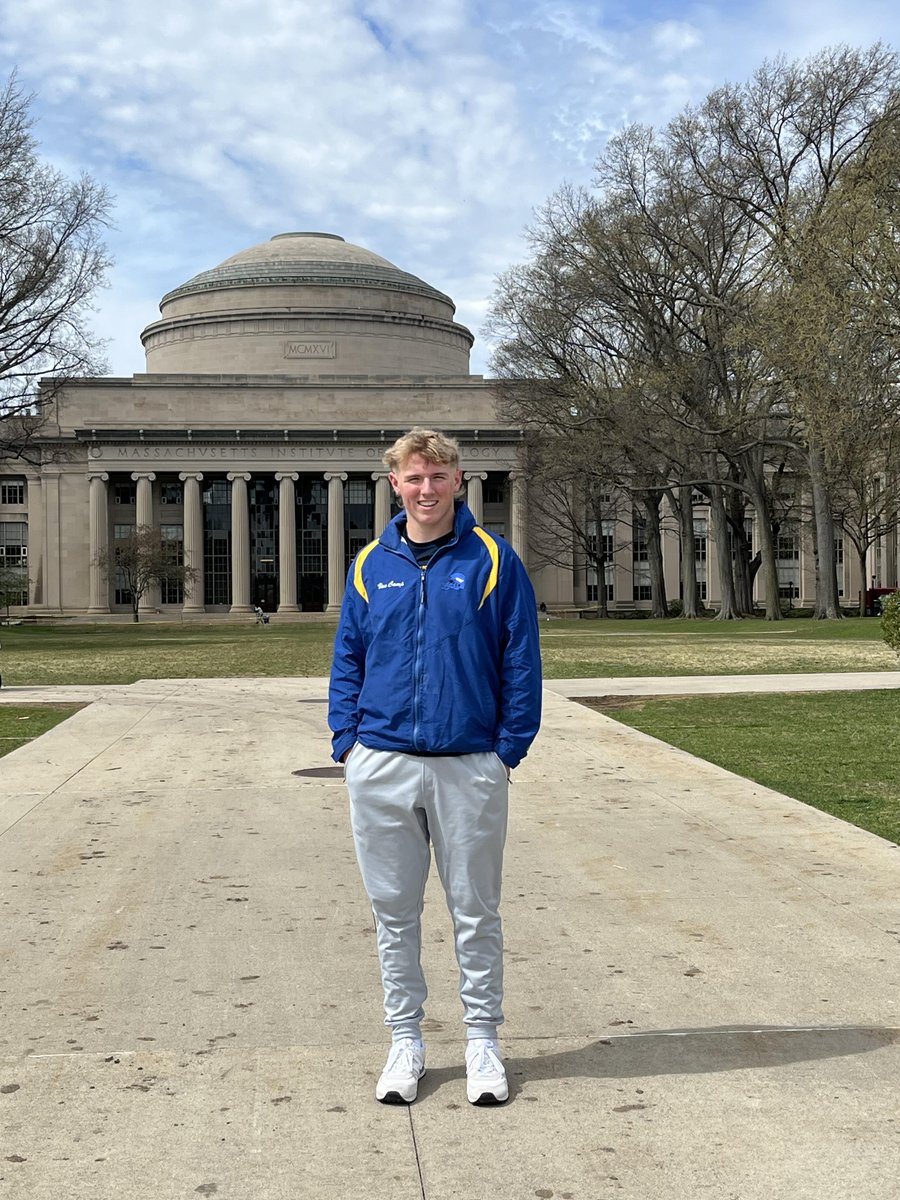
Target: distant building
[253,442]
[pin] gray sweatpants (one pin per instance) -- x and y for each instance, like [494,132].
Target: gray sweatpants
[398,804]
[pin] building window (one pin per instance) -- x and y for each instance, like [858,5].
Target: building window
[216,497]
[839,562]
[607,549]
[640,559]
[172,590]
[12,493]
[124,493]
[493,491]
[171,493]
[14,561]
[359,516]
[356,492]
[787,561]
[311,498]
[263,494]
[701,549]
[121,592]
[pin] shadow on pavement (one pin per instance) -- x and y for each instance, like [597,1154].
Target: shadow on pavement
[684,1052]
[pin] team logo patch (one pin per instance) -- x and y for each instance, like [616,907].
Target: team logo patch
[455,583]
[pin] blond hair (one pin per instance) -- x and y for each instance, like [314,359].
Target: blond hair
[433,446]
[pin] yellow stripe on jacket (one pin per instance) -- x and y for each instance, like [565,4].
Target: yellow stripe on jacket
[494,551]
[357,569]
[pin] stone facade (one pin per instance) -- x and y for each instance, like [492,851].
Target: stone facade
[253,442]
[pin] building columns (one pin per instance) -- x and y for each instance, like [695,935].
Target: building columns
[287,542]
[35,542]
[99,542]
[193,543]
[474,493]
[336,568]
[240,542]
[382,513]
[518,513]
[143,517]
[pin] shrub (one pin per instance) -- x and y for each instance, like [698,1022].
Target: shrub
[890,621]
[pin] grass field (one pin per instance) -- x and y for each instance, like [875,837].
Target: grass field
[69,653]
[20,725]
[838,751]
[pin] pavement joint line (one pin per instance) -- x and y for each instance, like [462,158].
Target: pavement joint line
[415,1144]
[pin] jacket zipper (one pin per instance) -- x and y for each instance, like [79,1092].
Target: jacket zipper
[419,668]
[419,665]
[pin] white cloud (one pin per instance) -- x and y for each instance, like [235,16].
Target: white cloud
[673,38]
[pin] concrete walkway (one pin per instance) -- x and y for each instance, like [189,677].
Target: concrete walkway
[703,976]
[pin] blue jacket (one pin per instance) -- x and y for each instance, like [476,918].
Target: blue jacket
[440,660]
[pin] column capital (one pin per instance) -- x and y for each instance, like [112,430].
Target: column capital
[474,475]
[233,475]
[341,475]
[292,475]
[104,475]
[184,476]
[517,473]
[376,475]
[136,475]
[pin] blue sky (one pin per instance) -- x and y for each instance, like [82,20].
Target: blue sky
[426,130]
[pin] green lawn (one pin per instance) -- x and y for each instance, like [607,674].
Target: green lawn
[582,649]
[20,724]
[838,751]
[70,653]
[76,654]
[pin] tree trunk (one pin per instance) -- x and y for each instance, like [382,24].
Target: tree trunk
[766,537]
[599,562]
[744,564]
[690,609]
[728,609]
[650,507]
[828,604]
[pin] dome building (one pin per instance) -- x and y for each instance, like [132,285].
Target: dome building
[253,441]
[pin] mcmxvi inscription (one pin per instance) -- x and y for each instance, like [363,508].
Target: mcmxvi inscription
[309,350]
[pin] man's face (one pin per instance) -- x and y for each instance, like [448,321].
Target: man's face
[427,490]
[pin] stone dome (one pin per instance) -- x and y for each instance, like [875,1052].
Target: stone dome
[307,304]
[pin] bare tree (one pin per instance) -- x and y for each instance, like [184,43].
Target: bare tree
[780,147]
[52,261]
[142,559]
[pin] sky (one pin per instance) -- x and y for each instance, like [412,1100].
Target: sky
[428,131]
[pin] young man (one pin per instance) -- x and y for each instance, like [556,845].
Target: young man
[435,697]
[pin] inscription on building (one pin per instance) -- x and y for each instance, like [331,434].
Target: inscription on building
[117,456]
[309,349]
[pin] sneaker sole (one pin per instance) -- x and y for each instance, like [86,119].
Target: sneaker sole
[394,1097]
[488,1098]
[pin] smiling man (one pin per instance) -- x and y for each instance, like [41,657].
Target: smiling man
[435,697]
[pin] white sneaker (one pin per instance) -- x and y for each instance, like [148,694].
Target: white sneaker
[405,1066]
[485,1074]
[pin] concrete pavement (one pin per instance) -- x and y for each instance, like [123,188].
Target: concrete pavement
[702,975]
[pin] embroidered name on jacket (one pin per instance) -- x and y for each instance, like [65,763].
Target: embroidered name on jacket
[391,583]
